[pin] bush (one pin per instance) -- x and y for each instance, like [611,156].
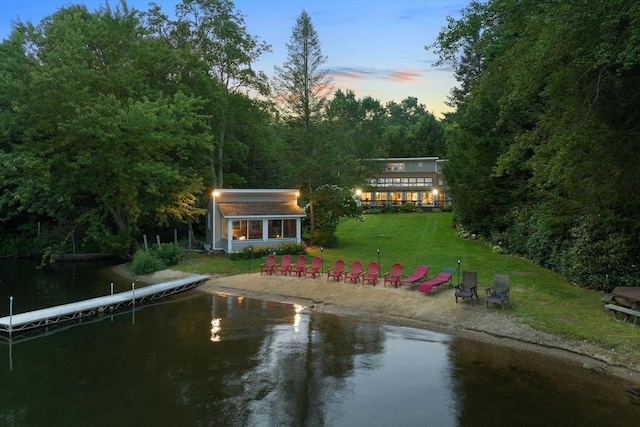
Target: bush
[324,238]
[254,252]
[144,263]
[408,207]
[167,254]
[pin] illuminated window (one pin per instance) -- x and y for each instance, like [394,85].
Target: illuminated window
[275,228]
[395,167]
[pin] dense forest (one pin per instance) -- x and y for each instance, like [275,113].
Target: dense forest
[120,121]
[544,156]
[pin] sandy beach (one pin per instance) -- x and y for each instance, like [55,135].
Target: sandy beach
[407,307]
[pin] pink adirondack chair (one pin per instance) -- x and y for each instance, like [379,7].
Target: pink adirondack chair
[394,275]
[442,278]
[417,275]
[298,269]
[314,268]
[336,271]
[268,266]
[371,275]
[285,266]
[354,273]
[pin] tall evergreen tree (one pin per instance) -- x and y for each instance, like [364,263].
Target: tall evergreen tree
[302,89]
[301,86]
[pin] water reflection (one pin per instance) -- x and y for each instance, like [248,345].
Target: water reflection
[224,360]
[215,329]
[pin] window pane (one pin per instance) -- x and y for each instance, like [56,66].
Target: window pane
[255,229]
[289,229]
[239,230]
[275,228]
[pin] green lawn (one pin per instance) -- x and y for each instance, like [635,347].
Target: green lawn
[539,297]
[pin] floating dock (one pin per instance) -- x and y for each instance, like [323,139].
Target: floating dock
[23,322]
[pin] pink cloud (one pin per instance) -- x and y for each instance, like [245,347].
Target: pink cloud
[375,74]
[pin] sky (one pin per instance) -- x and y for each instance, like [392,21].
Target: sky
[373,47]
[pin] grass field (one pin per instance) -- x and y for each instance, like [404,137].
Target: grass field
[540,298]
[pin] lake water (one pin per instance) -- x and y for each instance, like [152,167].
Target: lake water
[197,359]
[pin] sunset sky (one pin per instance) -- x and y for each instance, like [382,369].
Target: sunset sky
[374,47]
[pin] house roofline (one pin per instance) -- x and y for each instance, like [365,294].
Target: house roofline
[256,191]
[406,158]
[276,216]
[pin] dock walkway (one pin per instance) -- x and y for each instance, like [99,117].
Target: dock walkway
[106,304]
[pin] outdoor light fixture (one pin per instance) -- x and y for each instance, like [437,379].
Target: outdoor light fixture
[322,257]
[458,270]
[378,256]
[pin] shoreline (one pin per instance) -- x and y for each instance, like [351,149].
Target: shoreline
[404,306]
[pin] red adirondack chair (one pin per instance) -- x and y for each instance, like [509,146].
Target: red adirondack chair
[394,275]
[354,273]
[442,278]
[298,269]
[371,275]
[268,267]
[285,266]
[417,275]
[336,271]
[314,268]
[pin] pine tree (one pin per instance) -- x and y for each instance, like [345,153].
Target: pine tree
[301,85]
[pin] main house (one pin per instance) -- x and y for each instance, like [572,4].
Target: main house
[238,218]
[417,180]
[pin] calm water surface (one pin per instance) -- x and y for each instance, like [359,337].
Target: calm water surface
[215,360]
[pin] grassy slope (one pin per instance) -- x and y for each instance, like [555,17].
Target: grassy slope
[539,297]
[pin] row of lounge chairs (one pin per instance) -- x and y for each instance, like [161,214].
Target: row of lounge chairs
[467,289]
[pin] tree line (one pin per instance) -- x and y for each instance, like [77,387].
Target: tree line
[120,121]
[544,156]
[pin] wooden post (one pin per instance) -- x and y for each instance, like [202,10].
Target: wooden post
[146,245]
[10,316]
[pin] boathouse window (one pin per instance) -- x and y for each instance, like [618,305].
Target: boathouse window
[239,230]
[247,229]
[289,228]
[255,229]
[275,228]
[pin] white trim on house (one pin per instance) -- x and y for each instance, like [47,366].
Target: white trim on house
[228,206]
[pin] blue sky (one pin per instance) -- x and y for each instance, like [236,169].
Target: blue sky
[374,47]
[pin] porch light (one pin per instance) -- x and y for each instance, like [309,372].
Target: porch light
[358,193]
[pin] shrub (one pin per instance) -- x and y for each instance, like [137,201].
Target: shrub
[325,238]
[254,252]
[408,207]
[167,254]
[144,263]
